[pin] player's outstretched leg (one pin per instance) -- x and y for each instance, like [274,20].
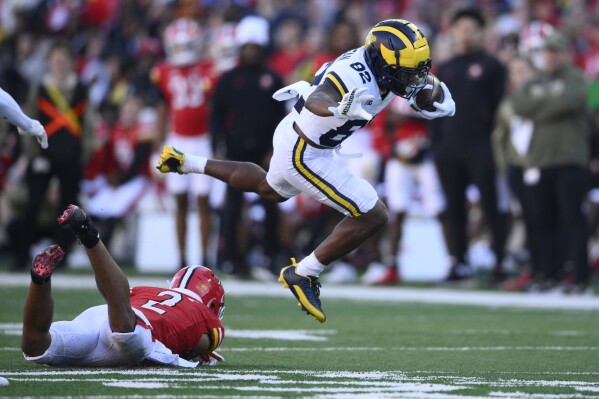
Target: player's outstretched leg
[110,279]
[243,176]
[39,305]
[305,288]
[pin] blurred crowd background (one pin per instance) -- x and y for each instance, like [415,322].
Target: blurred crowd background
[106,56]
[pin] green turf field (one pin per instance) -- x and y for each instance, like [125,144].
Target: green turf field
[364,350]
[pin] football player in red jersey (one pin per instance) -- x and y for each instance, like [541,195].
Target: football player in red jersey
[179,325]
[185,82]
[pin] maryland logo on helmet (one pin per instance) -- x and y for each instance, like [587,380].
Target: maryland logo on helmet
[399,55]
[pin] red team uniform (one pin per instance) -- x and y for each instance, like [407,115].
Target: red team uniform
[186,90]
[177,320]
[186,83]
[170,325]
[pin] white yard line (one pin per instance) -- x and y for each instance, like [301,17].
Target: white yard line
[399,349]
[353,292]
[323,385]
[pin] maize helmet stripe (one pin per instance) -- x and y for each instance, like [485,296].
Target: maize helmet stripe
[398,54]
[411,55]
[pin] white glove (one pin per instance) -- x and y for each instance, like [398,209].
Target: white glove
[350,106]
[446,108]
[291,91]
[210,359]
[37,130]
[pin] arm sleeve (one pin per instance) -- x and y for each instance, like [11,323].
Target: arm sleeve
[10,110]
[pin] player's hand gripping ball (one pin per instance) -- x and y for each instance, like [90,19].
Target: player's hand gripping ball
[432,92]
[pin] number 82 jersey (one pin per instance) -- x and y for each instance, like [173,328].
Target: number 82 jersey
[345,73]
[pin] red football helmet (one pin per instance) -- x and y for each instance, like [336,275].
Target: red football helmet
[202,282]
[532,41]
[182,39]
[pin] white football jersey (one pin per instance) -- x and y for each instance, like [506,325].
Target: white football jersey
[347,72]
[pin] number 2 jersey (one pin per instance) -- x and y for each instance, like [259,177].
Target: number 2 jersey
[345,73]
[186,91]
[178,320]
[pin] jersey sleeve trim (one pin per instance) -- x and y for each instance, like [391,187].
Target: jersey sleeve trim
[216,335]
[337,82]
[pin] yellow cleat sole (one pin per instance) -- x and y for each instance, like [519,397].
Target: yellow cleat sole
[307,306]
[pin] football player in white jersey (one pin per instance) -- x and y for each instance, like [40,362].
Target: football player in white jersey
[344,96]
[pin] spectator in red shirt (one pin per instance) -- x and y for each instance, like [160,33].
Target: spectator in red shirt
[127,155]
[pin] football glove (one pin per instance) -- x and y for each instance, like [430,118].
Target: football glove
[170,160]
[37,130]
[446,108]
[291,91]
[210,359]
[350,106]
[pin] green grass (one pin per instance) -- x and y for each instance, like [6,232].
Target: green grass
[373,350]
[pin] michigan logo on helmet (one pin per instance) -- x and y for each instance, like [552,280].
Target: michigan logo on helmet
[204,283]
[399,56]
[182,42]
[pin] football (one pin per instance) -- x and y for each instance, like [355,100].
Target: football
[430,93]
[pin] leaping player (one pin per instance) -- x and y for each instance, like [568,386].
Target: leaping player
[344,96]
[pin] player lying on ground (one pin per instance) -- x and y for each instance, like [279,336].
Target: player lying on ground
[344,96]
[179,325]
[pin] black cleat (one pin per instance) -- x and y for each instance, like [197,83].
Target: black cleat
[74,219]
[305,288]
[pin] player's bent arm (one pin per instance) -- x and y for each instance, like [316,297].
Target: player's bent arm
[10,110]
[204,353]
[202,347]
[347,107]
[322,98]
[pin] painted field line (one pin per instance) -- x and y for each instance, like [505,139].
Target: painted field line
[414,348]
[151,396]
[285,335]
[352,292]
[398,348]
[9,349]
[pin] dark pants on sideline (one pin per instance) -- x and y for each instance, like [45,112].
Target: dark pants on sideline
[559,223]
[455,176]
[69,177]
[515,178]
[234,248]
